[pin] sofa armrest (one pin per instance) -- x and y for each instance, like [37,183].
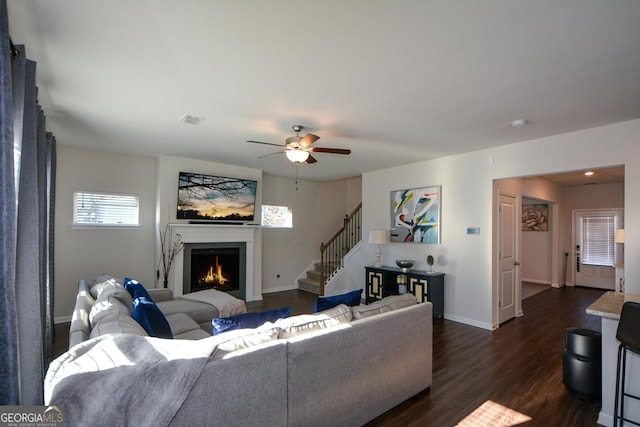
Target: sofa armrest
[160,294]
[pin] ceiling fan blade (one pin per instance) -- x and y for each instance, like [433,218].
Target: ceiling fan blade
[264,156]
[308,139]
[330,150]
[311,159]
[265,143]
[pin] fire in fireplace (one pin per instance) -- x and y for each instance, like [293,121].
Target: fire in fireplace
[215,275]
[219,266]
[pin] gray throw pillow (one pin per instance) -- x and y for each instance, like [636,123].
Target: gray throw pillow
[389,303]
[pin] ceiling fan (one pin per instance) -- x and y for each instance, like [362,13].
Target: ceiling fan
[298,148]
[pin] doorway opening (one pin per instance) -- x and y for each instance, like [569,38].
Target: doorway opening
[563,192]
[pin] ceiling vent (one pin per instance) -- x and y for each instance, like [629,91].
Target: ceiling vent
[191,120]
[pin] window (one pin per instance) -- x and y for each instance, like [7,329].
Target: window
[598,232]
[276,217]
[104,209]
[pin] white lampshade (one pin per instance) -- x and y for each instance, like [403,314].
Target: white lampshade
[297,155]
[620,235]
[379,237]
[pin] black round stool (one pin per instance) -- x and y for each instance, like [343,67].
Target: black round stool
[629,336]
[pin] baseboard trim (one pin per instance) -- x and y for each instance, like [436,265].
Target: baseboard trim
[469,322]
[280,289]
[539,282]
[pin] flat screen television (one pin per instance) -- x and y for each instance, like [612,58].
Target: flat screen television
[215,198]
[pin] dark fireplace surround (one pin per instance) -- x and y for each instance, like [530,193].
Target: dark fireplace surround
[215,265]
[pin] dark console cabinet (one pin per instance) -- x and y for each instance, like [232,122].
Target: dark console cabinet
[383,281]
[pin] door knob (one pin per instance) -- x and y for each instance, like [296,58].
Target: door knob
[516,263]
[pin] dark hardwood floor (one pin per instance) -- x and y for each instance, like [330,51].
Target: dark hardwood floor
[518,366]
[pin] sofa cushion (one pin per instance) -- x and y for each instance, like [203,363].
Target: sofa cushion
[149,316]
[248,320]
[117,322]
[201,312]
[136,289]
[184,327]
[192,335]
[110,302]
[389,303]
[350,298]
[181,323]
[305,323]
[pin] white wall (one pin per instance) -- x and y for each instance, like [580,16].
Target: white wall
[534,262]
[467,200]
[84,253]
[542,257]
[318,210]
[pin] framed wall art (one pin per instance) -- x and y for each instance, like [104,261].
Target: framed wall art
[415,215]
[535,217]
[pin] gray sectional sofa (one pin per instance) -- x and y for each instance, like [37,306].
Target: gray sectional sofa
[341,367]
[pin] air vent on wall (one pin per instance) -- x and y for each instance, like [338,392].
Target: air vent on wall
[191,120]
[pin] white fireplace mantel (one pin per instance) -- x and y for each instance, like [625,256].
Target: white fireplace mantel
[211,233]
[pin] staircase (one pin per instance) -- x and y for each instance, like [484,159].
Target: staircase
[332,253]
[311,283]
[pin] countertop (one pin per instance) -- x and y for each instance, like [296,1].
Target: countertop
[610,304]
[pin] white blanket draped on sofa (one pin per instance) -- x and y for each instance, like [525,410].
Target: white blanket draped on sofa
[125,379]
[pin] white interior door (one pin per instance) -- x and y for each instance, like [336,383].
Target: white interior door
[595,247]
[507,258]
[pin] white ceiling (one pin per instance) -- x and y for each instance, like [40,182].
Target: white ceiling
[611,175]
[394,81]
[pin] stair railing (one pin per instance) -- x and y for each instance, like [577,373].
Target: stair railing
[332,253]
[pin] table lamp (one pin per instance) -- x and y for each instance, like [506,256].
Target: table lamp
[378,237]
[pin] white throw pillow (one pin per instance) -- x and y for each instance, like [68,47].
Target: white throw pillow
[240,339]
[305,323]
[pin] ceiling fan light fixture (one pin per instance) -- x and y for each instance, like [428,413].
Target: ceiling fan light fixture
[296,155]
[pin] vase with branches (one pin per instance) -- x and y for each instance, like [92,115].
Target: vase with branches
[170,247]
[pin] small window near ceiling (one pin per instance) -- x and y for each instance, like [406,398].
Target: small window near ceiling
[105,209]
[276,217]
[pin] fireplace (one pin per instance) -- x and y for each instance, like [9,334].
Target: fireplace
[229,235]
[219,266]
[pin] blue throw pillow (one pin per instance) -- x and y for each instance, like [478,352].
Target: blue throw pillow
[248,320]
[149,316]
[350,298]
[136,289]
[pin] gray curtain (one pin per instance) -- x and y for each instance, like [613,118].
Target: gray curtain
[9,392]
[27,164]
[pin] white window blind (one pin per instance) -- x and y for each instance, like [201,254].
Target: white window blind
[598,242]
[90,208]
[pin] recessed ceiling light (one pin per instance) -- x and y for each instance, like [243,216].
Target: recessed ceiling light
[518,123]
[191,120]
[588,173]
